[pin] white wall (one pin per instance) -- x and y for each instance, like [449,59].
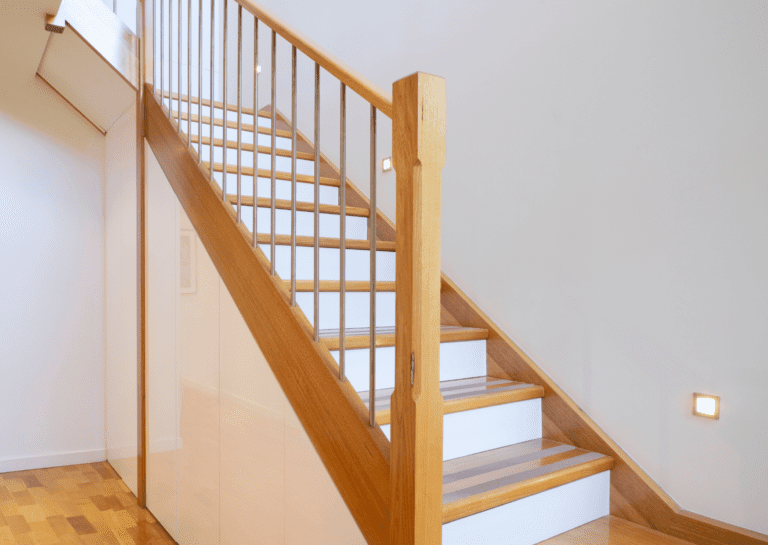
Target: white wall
[51,282]
[605,201]
[120,305]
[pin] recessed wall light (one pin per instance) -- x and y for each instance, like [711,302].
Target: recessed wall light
[706,405]
[258,69]
[386,164]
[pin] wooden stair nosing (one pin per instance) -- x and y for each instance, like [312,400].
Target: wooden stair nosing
[470,489]
[333,286]
[265,150]
[281,204]
[220,105]
[353,340]
[245,127]
[497,392]
[325,242]
[266,173]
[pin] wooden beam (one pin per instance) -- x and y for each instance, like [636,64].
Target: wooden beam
[141,239]
[335,419]
[418,144]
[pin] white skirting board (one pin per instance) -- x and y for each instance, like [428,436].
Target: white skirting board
[533,519]
[53,460]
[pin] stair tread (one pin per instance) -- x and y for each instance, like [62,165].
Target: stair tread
[219,122]
[385,336]
[301,206]
[232,144]
[267,173]
[491,478]
[464,394]
[325,242]
[220,105]
[335,286]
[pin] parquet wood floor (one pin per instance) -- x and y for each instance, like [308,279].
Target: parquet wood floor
[85,504]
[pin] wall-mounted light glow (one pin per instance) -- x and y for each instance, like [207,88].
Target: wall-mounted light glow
[258,69]
[386,164]
[706,405]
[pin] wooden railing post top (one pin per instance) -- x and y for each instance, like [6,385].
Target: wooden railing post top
[418,122]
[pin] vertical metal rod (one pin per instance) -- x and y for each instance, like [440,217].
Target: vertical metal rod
[189,73]
[255,127]
[200,83]
[210,119]
[293,175]
[170,60]
[372,391]
[114,7]
[342,229]
[240,109]
[274,149]
[225,125]
[162,52]
[317,203]
[154,52]
[178,65]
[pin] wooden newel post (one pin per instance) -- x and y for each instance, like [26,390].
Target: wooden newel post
[418,134]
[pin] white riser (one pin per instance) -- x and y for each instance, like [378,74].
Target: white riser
[465,359]
[535,518]
[218,113]
[478,430]
[357,228]
[304,192]
[265,161]
[358,308]
[357,264]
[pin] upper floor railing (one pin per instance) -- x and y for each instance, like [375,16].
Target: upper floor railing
[179,35]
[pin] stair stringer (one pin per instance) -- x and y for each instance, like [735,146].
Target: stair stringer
[335,419]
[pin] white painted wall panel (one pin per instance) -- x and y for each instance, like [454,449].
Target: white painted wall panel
[121,294]
[52,338]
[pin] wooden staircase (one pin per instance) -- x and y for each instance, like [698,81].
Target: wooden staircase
[481,480]
[520,461]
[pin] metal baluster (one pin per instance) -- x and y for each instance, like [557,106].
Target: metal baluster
[154,52]
[178,65]
[225,126]
[239,107]
[255,126]
[293,176]
[342,228]
[200,84]
[210,119]
[162,52]
[189,73]
[317,203]
[372,391]
[274,144]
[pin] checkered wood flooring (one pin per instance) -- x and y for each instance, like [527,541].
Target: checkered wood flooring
[86,503]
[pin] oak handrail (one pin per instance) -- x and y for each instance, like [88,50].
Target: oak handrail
[352,79]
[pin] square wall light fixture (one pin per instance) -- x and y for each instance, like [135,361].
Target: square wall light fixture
[706,405]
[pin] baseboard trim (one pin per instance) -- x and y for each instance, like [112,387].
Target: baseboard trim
[53,460]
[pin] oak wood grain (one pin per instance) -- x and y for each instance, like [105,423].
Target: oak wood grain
[418,144]
[356,455]
[264,202]
[232,144]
